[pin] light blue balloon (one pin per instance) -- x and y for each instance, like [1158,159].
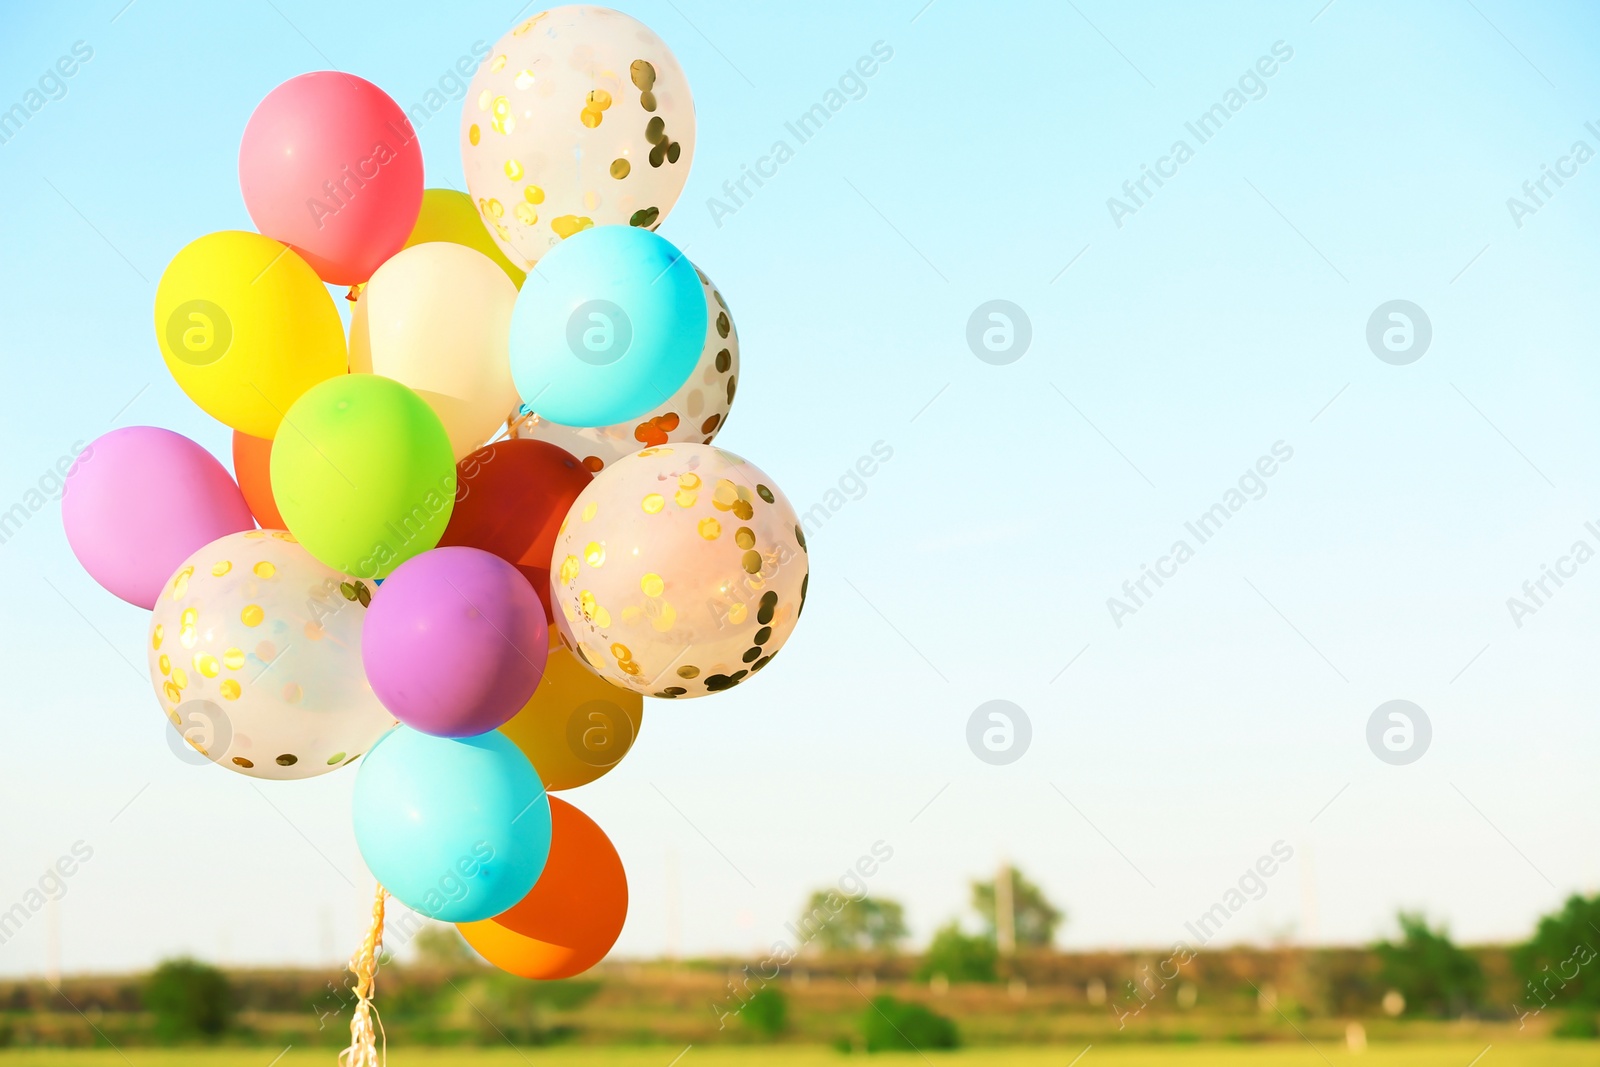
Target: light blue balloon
[608,326]
[457,828]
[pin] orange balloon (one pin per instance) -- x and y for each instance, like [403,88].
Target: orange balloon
[511,499]
[572,916]
[576,726]
[250,456]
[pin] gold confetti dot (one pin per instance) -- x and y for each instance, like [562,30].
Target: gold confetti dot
[180,678]
[156,636]
[233,659]
[525,214]
[207,664]
[230,689]
[621,652]
[189,618]
[242,762]
[685,498]
[689,481]
[594,554]
[652,584]
[710,529]
[187,637]
[569,569]
[180,583]
[496,208]
[533,194]
[738,613]
[752,562]
[264,569]
[219,569]
[165,664]
[483,100]
[474,135]
[653,503]
[523,80]
[497,64]
[620,169]
[252,615]
[589,509]
[745,537]
[644,79]
[688,672]
[513,170]
[171,692]
[567,225]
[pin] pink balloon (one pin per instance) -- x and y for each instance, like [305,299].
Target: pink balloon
[330,166]
[140,501]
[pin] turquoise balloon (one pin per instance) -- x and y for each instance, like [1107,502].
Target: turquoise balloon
[456,828]
[609,325]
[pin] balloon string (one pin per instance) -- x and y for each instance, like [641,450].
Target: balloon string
[364,1041]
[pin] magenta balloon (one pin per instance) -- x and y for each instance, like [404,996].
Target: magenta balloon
[330,166]
[455,642]
[140,501]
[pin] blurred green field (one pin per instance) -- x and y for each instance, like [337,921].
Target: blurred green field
[1553,1054]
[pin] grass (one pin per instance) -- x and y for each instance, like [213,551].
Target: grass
[1553,1054]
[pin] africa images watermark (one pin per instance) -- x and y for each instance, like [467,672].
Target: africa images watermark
[1252,885]
[1252,85]
[852,887]
[1136,592]
[52,885]
[49,486]
[52,85]
[1565,169]
[852,85]
[1537,592]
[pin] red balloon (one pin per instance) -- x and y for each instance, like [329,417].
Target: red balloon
[330,166]
[511,498]
[250,460]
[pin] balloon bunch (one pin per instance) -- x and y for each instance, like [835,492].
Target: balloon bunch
[491,519]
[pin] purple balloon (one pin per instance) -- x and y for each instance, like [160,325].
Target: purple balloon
[455,642]
[139,501]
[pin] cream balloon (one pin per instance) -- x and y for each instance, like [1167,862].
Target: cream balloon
[255,653]
[696,412]
[580,117]
[680,571]
[437,317]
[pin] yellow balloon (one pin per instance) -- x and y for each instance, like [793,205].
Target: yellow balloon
[449,216]
[246,326]
[576,726]
[437,317]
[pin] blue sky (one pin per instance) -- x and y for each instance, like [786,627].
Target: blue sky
[1227,314]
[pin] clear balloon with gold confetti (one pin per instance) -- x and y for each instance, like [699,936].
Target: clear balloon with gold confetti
[255,654]
[680,571]
[696,412]
[579,117]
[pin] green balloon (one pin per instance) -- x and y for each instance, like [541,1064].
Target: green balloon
[363,474]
